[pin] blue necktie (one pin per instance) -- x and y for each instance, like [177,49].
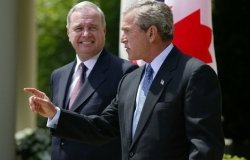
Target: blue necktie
[148,78]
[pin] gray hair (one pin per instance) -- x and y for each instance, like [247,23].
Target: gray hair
[150,12]
[85,5]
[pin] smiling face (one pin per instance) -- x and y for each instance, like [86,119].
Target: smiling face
[86,33]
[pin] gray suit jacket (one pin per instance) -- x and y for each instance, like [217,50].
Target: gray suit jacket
[96,93]
[181,118]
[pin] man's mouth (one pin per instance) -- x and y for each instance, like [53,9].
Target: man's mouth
[86,42]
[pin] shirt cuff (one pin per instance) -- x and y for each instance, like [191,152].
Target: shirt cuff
[52,122]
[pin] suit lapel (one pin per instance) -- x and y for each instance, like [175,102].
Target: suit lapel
[131,103]
[64,84]
[159,83]
[96,77]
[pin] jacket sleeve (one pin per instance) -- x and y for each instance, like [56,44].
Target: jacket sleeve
[202,111]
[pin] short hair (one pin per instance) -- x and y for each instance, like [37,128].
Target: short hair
[150,12]
[85,5]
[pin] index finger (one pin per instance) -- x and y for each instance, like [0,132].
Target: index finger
[34,92]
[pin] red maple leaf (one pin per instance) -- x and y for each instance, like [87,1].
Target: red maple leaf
[193,38]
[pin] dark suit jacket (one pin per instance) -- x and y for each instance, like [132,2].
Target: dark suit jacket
[181,118]
[96,93]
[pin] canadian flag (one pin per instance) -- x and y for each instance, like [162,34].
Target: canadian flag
[193,32]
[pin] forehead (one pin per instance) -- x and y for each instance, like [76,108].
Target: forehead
[87,16]
[128,20]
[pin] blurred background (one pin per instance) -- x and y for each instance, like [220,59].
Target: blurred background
[34,42]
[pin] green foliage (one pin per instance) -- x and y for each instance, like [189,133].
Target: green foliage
[33,144]
[230,157]
[111,10]
[54,48]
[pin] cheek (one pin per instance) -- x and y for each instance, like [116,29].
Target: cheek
[137,42]
[74,36]
[71,38]
[100,37]
[133,41]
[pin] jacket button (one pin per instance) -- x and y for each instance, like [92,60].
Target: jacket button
[62,143]
[131,154]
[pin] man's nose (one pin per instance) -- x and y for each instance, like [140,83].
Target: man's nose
[85,32]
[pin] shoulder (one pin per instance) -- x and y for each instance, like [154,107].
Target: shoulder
[190,63]
[196,70]
[195,65]
[186,67]
[133,75]
[63,69]
[118,63]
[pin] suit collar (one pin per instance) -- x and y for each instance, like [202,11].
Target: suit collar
[90,63]
[131,103]
[95,78]
[158,61]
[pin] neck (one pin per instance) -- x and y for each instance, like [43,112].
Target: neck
[156,49]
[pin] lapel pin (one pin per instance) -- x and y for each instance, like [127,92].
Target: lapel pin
[162,82]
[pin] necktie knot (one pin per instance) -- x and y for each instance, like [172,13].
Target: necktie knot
[83,70]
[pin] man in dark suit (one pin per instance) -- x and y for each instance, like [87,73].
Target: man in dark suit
[170,109]
[86,31]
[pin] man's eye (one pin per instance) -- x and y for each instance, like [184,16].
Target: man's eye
[125,31]
[93,28]
[78,29]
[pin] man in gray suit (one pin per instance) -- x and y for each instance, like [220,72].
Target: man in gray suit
[86,28]
[169,109]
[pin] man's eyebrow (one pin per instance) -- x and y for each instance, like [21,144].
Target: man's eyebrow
[124,28]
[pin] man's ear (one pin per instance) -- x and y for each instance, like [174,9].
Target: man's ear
[151,33]
[68,34]
[105,31]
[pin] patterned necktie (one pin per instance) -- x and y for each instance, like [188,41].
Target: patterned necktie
[148,78]
[80,81]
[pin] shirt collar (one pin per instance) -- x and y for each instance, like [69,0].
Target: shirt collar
[157,61]
[90,63]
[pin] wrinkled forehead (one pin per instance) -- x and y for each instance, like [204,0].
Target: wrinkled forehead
[86,17]
[128,19]
[86,13]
